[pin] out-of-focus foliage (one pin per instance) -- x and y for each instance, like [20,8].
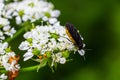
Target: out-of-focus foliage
[99,23]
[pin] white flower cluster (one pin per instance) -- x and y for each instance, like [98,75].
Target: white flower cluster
[44,39]
[5,28]
[8,59]
[32,10]
[3,77]
[47,43]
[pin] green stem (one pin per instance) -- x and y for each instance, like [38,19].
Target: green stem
[15,35]
[26,25]
[27,69]
[32,68]
[2,68]
[3,71]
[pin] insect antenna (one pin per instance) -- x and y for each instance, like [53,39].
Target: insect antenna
[88,49]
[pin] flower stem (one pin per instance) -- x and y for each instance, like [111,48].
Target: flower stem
[15,35]
[26,25]
[27,69]
[32,68]
[3,71]
[2,68]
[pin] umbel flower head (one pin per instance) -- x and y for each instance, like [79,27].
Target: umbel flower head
[5,27]
[31,10]
[9,61]
[49,42]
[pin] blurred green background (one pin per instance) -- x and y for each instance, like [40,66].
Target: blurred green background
[99,23]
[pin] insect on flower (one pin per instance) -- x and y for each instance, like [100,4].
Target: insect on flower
[75,37]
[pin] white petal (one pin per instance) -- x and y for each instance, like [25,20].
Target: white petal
[59,55]
[25,17]
[27,56]
[3,77]
[62,60]
[17,66]
[18,20]
[55,13]
[13,31]
[11,54]
[6,28]
[52,20]
[5,45]
[27,35]
[24,46]
[45,18]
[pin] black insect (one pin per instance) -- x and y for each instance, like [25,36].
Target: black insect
[75,37]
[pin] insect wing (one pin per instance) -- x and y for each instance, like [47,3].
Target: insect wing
[75,35]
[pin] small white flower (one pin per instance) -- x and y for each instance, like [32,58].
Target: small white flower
[4,21]
[7,13]
[25,17]
[5,63]
[59,55]
[1,1]
[12,66]
[11,54]
[15,13]
[1,6]
[2,37]
[3,47]
[6,28]
[17,66]
[27,35]
[45,18]
[18,20]
[12,31]
[3,77]
[28,55]
[52,20]
[24,45]
[55,13]
[2,51]
[62,60]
